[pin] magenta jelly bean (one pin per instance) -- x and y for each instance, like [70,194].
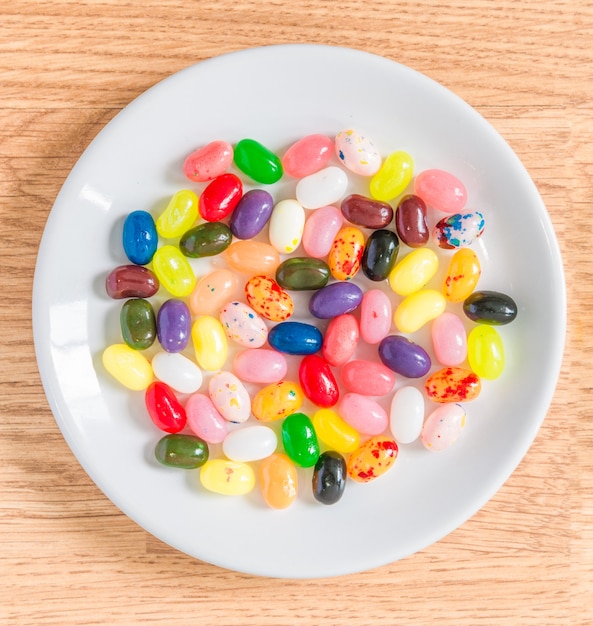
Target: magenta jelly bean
[363,413]
[340,339]
[173,325]
[375,316]
[307,156]
[320,230]
[204,419]
[209,161]
[441,190]
[449,339]
[368,378]
[260,365]
[251,214]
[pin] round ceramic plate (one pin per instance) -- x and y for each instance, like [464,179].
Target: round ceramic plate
[277,95]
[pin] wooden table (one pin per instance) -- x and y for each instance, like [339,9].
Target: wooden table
[67,554]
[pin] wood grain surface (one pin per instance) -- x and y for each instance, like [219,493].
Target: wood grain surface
[68,556]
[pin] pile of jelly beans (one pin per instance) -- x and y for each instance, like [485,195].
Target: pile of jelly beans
[214,360]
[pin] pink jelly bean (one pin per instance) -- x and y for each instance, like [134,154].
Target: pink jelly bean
[375,316]
[209,161]
[441,190]
[307,156]
[364,414]
[449,339]
[320,230]
[260,366]
[340,340]
[369,378]
[204,420]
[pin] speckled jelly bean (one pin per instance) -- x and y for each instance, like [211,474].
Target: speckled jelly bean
[307,155]
[329,477]
[375,316]
[165,410]
[372,459]
[380,254]
[368,378]
[177,371]
[366,212]
[227,478]
[346,252]
[128,366]
[462,276]
[443,427]
[208,162]
[490,307]
[485,352]
[251,214]
[276,401]
[393,177]
[173,271]
[333,431]
[179,215]
[278,479]
[404,356]
[204,420]
[210,343]
[357,152]
[414,271]
[320,230]
[300,440]
[459,230]
[322,188]
[139,237]
[131,281]
[318,381]
[441,190]
[220,197]
[257,162]
[363,413]
[229,396]
[213,291]
[138,323]
[417,309]
[250,443]
[252,257]
[206,240]
[267,298]
[181,451]
[340,339]
[453,384]
[286,226]
[173,325]
[260,365]
[295,338]
[335,299]
[449,339]
[406,414]
[411,221]
[302,274]
[243,325]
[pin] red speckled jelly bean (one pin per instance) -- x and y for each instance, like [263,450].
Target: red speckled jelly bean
[374,457]
[453,384]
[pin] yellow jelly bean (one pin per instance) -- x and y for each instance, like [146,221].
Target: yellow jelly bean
[393,177]
[128,366]
[179,216]
[210,343]
[345,255]
[229,478]
[413,271]
[173,271]
[485,352]
[462,276]
[276,401]
[417,309]
[333,431]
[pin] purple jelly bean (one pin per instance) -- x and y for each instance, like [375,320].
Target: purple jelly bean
[335,299]
[173,325]
[251,214]
[404,357]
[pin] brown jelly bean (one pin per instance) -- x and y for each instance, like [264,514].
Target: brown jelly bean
[131,281]
[366,212]
[410,221]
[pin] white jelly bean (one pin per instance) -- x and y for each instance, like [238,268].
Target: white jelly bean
[251,443]
[177,371]
[322,188]
[286,226]
[406,414]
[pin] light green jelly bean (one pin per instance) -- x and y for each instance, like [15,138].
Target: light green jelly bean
[485,352]
[393,177]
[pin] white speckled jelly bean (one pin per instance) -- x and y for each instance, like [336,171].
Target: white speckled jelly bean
[243,325]
[177,371]
[459,230]
[286,226]
[406,414]
[443,426]
[229,396]
[250,443]
[322,188]
[320,230]
[375,316]
[449,339]
[357,152]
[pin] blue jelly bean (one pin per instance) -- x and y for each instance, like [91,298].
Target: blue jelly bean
[295,338]
[140,239]
[173,325]
[335,299]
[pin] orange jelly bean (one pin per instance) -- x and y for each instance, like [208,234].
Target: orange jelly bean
[278,480]
[453,384]
[253,257]
[346,253]
[372,459]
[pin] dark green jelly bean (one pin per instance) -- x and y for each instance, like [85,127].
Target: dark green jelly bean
[299,439]
[329,477]
[302,274]
[380,254]
[182,451]
[257,162]
[490,307]
[206,240]
[138,323]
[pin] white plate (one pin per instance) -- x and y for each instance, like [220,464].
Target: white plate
[276,95]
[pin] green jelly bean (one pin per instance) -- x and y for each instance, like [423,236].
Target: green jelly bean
[257,162]
[182,451]
[206,239]
[302,273]
[138,323]
[299,439]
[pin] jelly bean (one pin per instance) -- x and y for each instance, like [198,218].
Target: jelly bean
[204,420]
[286,226]
[165,410]
[208,162]
[449,339]
[212,291]
[182,451]
[260,365]
[317,381]
[335,299]
[368,378]
[459,230]
[210,342]
[177,371]
[453,384]
[220,197]
[139,238]
[333,431]
[257,162]
[393,177]
[320,230]
[357,152]
[417,309]
[229,396]
[227,478]
[299,439]
[253,257]
[251,443]
[173,325]
[443,426]
[131,281]
[490,307]
[179,215]
[173,271]
[372,459]
[375,316]
[302,274]
[243,325]
[279,481]
[267,298]
[295,338]
[364,414]
[346,253]
[251,214]
[440,190]
[340,339]
[404,356]
[411,221]
[413,271]
[463,275]
[366,212]
[329,477]
[322,188]
[206,239]
[276,401]
[138,324]
[128,366]
[380,254]
[406,414]
[307,156]
[485,352]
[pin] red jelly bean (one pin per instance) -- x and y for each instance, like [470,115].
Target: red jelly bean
[220,197]
[131,281]
[318,382]
[164,408]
